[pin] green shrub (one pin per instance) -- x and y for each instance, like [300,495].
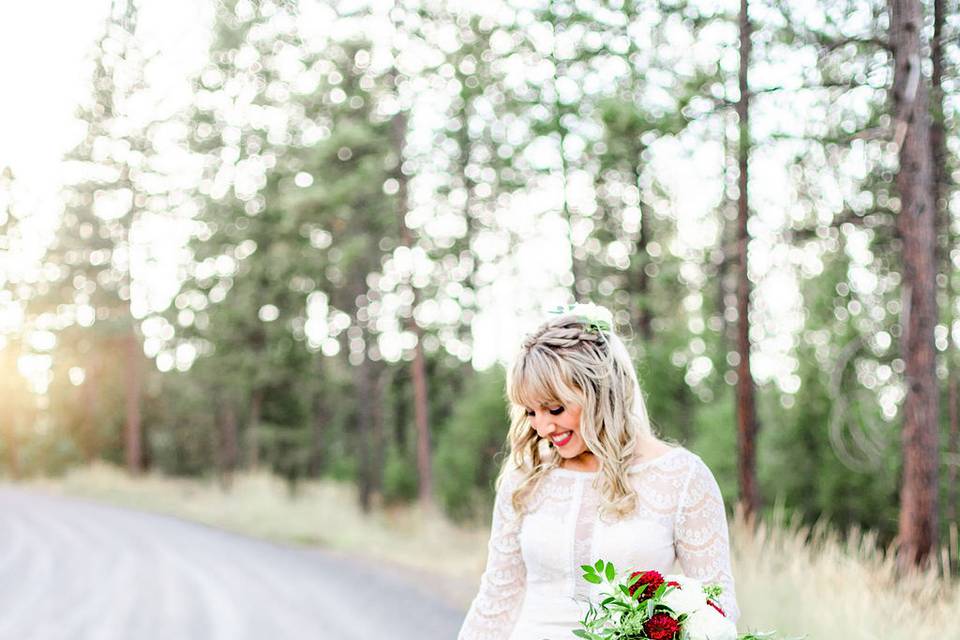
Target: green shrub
[467,461]
[399,478]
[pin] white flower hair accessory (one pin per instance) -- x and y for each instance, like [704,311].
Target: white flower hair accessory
[597,318]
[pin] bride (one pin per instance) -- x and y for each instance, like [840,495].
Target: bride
[587,479]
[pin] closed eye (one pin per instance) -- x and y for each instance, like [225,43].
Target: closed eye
[555,412]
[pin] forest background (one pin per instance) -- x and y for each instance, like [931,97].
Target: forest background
[310,245]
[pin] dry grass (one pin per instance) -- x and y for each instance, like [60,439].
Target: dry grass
[801,582]
[807,582]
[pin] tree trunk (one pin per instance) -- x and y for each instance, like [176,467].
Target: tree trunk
[418,366]
[401,430]
[320,418]
[363,386]
[10,433]
[134,429]
[953,446]
[940,196]
[377,435]
[643,315]
[12,401]
[918,526]
[229,435]
[424,469]
[747,426]
[938,146]
[253,427]
[580,286]
[89,392]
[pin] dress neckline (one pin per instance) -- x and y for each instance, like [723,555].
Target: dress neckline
[634,467]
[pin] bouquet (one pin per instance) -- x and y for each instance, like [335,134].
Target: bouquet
[650,606]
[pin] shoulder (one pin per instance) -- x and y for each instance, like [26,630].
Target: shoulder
[684,460]
[680,457]
[686,470]
[669,457]
[700,483]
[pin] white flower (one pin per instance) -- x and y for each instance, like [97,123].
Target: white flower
[688,600]
[685,582]
[709,624]
[593,313]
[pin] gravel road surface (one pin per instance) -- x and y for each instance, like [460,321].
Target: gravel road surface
[77,570]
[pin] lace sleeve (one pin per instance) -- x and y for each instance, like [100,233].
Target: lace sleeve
[701,537]
[495,610]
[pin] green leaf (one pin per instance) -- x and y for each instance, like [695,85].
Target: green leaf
[587,568]
[611,572]
[593,578]
[599,566]
[658,594]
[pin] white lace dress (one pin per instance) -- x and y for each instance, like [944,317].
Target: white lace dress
[532,583]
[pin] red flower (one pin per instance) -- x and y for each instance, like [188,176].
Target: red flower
[661,627]
[717,607]
[650,581]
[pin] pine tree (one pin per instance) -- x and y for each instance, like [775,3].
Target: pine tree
[916,180]
[113,184]
[15,397]
[245,295]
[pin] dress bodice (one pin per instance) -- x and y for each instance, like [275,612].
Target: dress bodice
[532,587]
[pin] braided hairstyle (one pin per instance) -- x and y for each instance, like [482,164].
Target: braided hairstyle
[571,362]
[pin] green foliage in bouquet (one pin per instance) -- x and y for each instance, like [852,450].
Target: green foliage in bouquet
[620,614]
[634,609]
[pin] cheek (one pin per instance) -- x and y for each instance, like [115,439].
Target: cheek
[575,427]
[578,434]
[580,445]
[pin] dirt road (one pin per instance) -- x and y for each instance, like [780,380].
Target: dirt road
[76,570]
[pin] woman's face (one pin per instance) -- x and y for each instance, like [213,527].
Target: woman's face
[560,424]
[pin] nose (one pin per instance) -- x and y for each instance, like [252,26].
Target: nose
[542,423]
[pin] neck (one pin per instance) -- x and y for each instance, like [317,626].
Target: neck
[586,461]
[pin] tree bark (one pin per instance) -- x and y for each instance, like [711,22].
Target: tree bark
[953,446]
[319,419]
[919,500]
[133,429]
[644,315]
[937,133]
[940,195]
[747,426]
[89,392]
[363,384]
[253,426]
[230,438]
[580,285]
[421,411]
[9,432]
[418,365]
[377,435]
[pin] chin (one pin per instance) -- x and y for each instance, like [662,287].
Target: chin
[570,454]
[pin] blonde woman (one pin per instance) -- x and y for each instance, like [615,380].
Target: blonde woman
[586,478]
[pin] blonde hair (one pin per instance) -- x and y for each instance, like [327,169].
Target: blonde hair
[571,362]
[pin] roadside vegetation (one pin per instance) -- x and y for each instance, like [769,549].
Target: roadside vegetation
[803,581]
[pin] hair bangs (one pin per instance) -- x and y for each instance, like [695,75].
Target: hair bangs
[536,380]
